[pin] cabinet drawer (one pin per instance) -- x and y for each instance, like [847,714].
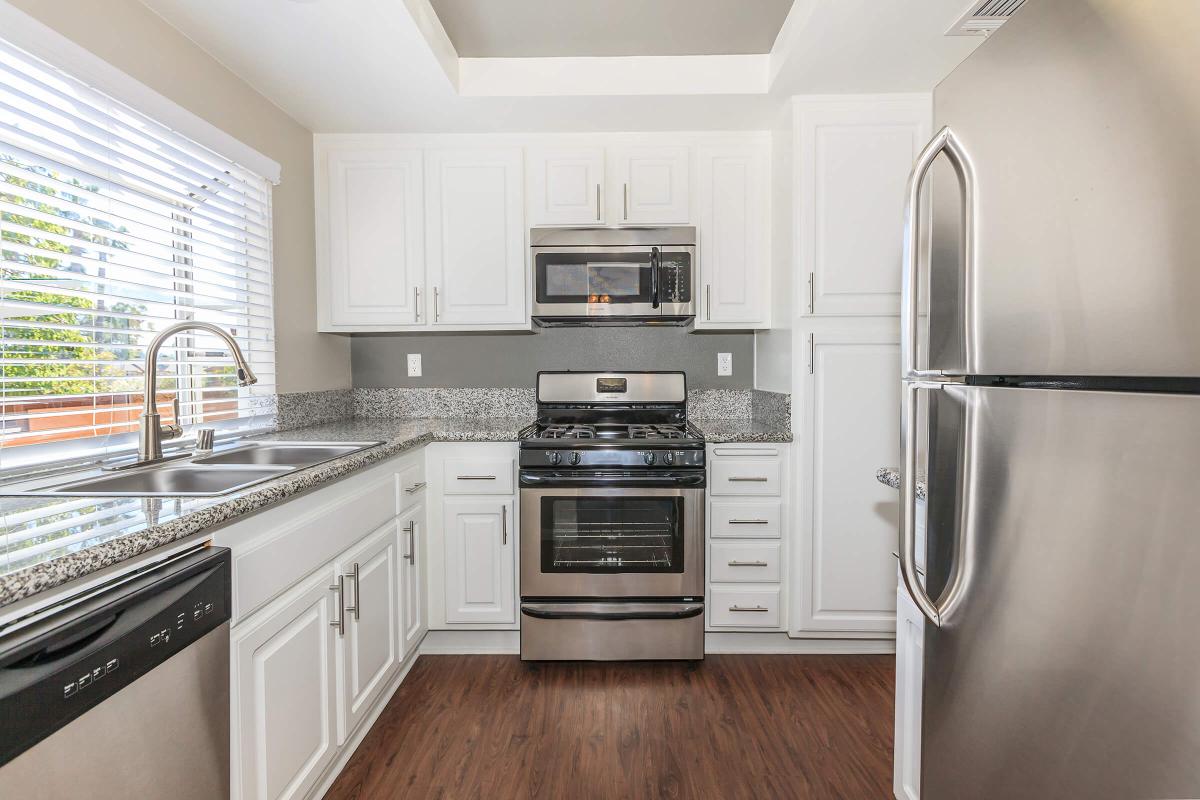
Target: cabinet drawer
[745,562]
[745,476]
[412,485]
[478,476]
[744,607]
[736,520]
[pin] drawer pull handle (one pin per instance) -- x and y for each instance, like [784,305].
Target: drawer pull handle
[749,521]
[752,608]
[477,477]
[416,487]
[739,479]
[748,564]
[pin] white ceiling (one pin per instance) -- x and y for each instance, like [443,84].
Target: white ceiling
[380,66]
[540,28]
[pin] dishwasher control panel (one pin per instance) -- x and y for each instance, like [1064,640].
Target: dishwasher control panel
[56,669]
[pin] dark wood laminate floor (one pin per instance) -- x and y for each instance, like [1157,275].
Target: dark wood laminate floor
[735,727]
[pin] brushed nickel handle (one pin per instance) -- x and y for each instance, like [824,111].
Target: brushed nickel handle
[503,525]
[742,479]
[597,202]
[626,202]
[354,609]
[411,530]
[339,589]
[749,521]
[812,295]
[436,311]
[708,300]
[751,608]
[477,477]
[416,304]
[416,487]
[748,564]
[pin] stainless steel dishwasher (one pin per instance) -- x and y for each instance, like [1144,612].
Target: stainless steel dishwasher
[124,692]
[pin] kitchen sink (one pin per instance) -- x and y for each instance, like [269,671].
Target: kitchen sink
[213,475]
[288,454]
[168,480]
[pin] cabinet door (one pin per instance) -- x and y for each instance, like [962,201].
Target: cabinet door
[565,185]
[369,650]
[733,232]
[652,183]
[376,238]
[854,157]
[480,541]
[284,686]
[910,673]
[412,580]
[847,578]
[475,236]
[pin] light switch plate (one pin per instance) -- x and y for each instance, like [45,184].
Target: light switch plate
[724,364]
[414,365]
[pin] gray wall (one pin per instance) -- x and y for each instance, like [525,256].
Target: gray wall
[503,360]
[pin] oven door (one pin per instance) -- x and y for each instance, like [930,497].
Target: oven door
[609,542]
[613,282]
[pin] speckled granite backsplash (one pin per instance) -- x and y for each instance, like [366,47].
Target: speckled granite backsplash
[298,409]
[398,403]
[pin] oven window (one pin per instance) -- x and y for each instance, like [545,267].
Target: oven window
[612,534]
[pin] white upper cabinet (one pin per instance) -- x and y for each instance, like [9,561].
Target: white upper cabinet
[650,185]
[853,159]
[475,235]
[734,231]
[376,238]
[565,185]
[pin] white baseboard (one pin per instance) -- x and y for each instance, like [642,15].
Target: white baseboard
[729,642]
[447,643]
[351,745]
[721,642]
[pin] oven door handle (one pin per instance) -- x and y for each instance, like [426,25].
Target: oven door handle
[612,611]
[666,480]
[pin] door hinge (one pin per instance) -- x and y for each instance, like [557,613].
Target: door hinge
[811,295]
[810,354]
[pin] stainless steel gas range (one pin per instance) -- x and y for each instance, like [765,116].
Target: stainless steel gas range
[612,520]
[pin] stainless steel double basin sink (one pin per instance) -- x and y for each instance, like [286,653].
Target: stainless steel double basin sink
[212,475]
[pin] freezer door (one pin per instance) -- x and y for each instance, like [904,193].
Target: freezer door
[1081,120]
[1069,665]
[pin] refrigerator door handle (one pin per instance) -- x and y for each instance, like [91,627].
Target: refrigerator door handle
[943,142]
[908,500]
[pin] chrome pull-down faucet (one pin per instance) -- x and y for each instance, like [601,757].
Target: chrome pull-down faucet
[151,431]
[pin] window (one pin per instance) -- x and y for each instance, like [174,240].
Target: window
[113,227]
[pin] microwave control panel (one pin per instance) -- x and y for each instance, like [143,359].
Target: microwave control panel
[675,280]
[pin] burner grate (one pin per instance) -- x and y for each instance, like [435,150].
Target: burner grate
[569,432]
[656,432]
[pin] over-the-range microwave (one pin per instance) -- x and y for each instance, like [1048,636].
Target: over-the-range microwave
[613,276]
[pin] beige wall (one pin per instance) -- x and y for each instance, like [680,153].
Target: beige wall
[131,37]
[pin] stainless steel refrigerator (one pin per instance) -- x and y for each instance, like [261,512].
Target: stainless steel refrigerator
[1052,395]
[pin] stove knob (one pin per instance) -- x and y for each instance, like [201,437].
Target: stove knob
[575,457]
[648,458]
[554,457]
[668,458]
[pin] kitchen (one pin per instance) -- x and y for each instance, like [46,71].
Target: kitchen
[432,398]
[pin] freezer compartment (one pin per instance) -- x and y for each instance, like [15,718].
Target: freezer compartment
[1064,524]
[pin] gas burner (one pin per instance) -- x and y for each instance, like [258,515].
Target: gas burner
[568,432]
[657,432]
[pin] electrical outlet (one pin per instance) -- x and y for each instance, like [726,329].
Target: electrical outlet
[414,365]
[724,364]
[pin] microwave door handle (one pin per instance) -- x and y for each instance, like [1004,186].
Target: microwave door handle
[654,265]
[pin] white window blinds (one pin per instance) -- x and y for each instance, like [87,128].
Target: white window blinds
[113,227]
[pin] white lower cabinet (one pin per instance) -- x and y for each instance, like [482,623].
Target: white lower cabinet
[368,575]
[284,725]
[480,568]
[413,625]
[324,627]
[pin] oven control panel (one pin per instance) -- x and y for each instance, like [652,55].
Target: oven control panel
[655,457]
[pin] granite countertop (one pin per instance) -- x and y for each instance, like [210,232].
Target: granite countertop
[48,541]
[890,476]
[722,431]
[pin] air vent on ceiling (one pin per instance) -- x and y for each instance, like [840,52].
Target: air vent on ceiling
[984,17]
